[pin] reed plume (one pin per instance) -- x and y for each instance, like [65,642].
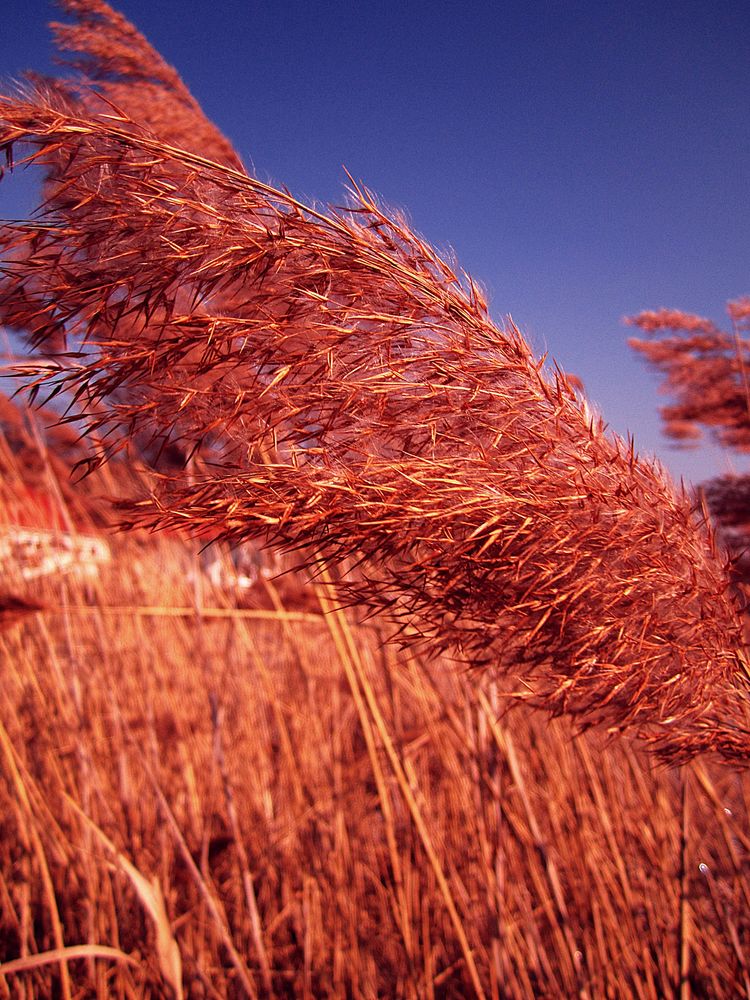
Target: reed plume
[347,394]
[704,370]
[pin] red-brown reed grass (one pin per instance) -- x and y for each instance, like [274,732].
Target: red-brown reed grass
[704,369]
[202,801]
[349,397]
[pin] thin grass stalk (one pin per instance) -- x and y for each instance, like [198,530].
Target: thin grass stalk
[360,675]
[151,898]
[247,878]
[354,679]
[559,917]
[283,729]
[12,765]
[684,935]
[244,975]
[61,955]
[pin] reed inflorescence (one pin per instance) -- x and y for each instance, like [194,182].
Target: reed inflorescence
[342,391]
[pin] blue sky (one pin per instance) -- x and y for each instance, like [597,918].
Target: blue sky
[584,161]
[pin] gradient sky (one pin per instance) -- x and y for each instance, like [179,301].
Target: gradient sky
[583,161]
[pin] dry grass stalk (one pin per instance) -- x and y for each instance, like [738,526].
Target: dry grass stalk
[152,899]
[352,398]
[246,875]
[64,955]
[364,694]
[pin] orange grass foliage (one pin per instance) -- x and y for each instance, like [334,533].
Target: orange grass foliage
[201,801]
[705,372]
[348,396]
[704,369]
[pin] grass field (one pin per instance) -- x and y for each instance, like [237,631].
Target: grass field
[206,800]
[220,775]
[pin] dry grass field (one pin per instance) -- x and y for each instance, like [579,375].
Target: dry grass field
[202,799]
[286,764]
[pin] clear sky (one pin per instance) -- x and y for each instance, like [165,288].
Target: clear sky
[584,161]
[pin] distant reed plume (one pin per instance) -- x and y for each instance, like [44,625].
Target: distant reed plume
[346,394]
[704,370]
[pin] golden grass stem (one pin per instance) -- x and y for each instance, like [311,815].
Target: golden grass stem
[165,611]
[215,908]
[685,915]
[239,846]
[353,671]
[352,663]
[12,764]
[507,748]
[63,955]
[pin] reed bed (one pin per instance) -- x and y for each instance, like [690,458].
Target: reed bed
[209,790]
[200,799]
[258,804]
[342,391]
